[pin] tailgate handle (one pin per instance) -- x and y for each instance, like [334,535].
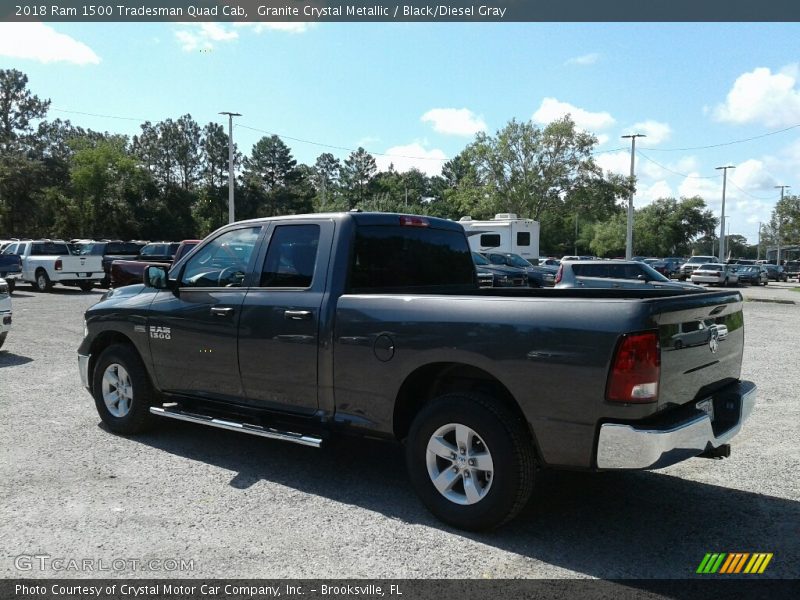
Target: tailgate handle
[218,311]
[718,309]
[297,315]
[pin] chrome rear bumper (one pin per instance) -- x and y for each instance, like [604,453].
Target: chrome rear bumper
[625,446]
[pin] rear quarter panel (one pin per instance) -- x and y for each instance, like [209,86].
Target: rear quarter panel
[552,356]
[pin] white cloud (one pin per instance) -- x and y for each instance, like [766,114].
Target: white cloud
[645,194]
[655,131]
[294,27]
[454,121]
[412,155]
[602,138]
[40,42]
[709,190]
[586,59]
[552,109]
[615,162]
[202,36]
[751,176]
[761,96]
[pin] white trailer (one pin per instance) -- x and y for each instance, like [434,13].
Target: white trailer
[505,233]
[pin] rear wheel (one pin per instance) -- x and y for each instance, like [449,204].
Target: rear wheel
[41,282]
[3,338]
[11,285]
[122,391]
[470,460]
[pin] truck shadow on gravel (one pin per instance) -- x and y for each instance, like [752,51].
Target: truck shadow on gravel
[9,359]
[604,525]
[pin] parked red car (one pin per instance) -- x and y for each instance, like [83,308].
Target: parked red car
[128,272]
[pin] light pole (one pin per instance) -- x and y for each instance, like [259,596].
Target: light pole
[629,234]
[758,248]
[778,217]
[575,249]
[722,217]
[231,211]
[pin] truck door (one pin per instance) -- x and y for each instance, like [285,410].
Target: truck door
[280,322]
[193,331]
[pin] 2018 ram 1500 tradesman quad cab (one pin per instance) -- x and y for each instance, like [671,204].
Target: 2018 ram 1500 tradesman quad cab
[297,328]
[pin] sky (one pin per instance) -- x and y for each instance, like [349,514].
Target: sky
[415,94]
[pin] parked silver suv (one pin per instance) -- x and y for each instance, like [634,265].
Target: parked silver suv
[628,274]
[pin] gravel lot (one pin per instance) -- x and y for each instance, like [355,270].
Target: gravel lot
[242,507]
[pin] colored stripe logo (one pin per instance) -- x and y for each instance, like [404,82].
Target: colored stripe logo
[731,563]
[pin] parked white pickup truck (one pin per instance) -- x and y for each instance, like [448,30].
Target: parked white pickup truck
[46,262]
[5,311]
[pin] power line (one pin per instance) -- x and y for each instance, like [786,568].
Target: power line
[313,143]
[746,193]
[676,172]
[720,145]
[88,114]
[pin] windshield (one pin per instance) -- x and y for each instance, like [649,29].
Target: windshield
[710,268]
[517,261]
[479,260]
[699,259]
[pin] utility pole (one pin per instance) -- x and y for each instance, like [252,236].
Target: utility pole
[629,235]
[575,249]
[722,217]
[231,211]
[778,217]
[758,248]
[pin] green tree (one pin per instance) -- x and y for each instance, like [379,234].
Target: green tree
[358,170]
[527,170]
[325,176]
[21,171]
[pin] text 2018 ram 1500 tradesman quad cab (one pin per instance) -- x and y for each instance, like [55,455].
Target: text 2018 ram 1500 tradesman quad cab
[301,327]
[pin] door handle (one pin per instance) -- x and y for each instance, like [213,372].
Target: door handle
[218,311]
[297,315]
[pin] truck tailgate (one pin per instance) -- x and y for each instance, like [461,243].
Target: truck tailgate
[702,340]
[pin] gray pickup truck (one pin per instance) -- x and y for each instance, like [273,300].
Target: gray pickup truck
[300,328]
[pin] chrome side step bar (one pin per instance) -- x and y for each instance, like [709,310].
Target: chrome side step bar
[267,432]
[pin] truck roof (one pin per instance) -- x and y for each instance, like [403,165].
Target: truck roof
[365,218]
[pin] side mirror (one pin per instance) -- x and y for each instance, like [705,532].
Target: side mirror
[155,276]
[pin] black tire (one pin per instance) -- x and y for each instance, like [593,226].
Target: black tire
[12,283]
[41,282]
[506,438]
[86,286]
[3,338]
[678,344]
[138,417]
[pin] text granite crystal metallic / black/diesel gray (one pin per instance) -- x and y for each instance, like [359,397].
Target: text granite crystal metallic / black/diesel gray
[306,327]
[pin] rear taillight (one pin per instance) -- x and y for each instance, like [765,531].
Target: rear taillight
[559,273]
[635,369]
[59,265]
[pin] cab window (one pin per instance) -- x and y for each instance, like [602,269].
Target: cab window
[223,262]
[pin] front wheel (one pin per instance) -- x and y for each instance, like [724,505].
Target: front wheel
[470,460]
[3,338]
[122,391]
[11,285]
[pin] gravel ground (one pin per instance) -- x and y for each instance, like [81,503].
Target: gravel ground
[241,507]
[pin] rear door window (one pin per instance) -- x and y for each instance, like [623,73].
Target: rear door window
[292,257]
